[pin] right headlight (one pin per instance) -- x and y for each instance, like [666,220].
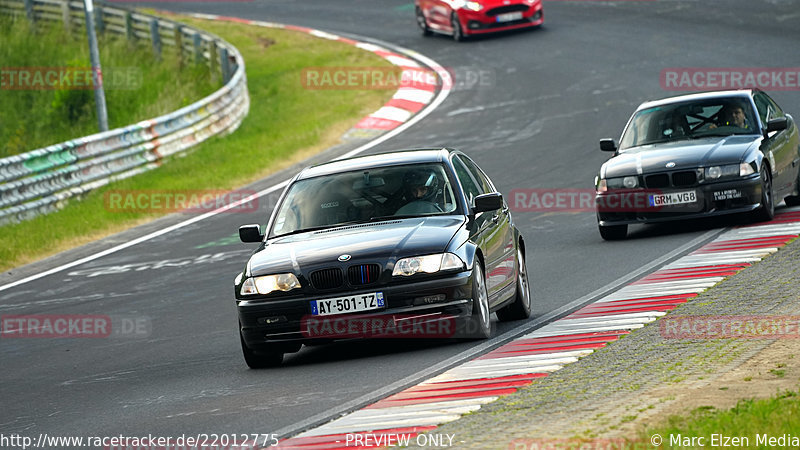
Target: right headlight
[264,285]
[629,182]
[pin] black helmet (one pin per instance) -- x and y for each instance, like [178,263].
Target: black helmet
[422,178]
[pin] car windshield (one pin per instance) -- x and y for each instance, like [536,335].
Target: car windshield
[689,120]
[364,196]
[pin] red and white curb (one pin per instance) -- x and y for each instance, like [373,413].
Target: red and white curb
[446,397]
[417,88]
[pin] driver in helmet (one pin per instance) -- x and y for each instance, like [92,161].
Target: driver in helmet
[421,187]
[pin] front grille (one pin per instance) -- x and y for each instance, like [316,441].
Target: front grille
[506,9]
[327,278]
[363,274]
[658,181]
[680,179]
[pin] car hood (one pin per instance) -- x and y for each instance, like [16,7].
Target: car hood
[373,242]
[488,4]
[685,154]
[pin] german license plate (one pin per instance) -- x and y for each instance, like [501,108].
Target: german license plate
[674,198]
[508,17]
[341,305]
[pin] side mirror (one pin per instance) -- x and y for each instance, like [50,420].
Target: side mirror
[488,202]
[250,233]
[778,124]
[608,145]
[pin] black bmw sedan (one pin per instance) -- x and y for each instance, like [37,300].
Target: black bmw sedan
[699,155]
[415,243]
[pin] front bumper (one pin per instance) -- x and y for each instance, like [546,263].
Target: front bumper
[713,199]
[284,320]
[473,22]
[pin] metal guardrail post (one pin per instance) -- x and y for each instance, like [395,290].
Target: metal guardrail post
[29,12]
[100,24]
[66,16]
[178,37]
[155,37]
[213,59]
[225,64]
[197,41]
[129,33]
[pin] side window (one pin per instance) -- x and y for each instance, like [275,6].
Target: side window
[775,110]
[484,183]
[763,107]
[471,189]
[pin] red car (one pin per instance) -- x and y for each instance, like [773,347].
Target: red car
[462,18]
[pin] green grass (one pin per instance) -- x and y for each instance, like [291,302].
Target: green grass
[138,87]
[774,416]
[286,124]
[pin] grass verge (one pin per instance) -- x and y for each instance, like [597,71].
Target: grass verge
[286,124]
[138,87]
[749,419]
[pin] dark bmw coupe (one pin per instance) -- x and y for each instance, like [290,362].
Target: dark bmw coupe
[416,243]
[699,155]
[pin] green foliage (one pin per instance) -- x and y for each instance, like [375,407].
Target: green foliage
[138,87]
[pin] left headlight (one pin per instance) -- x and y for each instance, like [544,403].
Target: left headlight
[263,285]
[728,171]
[427,264]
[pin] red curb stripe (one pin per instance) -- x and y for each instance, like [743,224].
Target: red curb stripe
[402,400]
[375,123]
[524,376]
[622,311]
[537,351]
[408,105]
[632,304]
[468,384]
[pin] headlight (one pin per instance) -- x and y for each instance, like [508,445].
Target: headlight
[746,169]
[473,6]
[726,171]
[427,264]
[284,282]
[629,182]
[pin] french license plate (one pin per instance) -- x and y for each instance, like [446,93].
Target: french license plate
[341,305]
[508,17]
[675,198]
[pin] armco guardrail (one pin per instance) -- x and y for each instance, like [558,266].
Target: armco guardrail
[42,180]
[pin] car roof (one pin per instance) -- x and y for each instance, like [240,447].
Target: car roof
[742,93]
[411,156]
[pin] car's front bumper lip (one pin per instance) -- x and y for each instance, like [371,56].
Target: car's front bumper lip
[281,320]
[479,23]
[706,205]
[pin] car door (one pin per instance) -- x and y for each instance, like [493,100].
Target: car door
[498,240]
[779,146]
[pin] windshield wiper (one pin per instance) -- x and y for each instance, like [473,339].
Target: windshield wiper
[321,227]
[400,216]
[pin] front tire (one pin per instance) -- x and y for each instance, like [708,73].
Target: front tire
[478,325]
[458,32]
[521,307]
[767,210]
[422,22]
[613,232]
[260,360]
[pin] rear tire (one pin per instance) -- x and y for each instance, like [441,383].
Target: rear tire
[794,200]
[613,232]
[521,307]
[261,359]
[767,210]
